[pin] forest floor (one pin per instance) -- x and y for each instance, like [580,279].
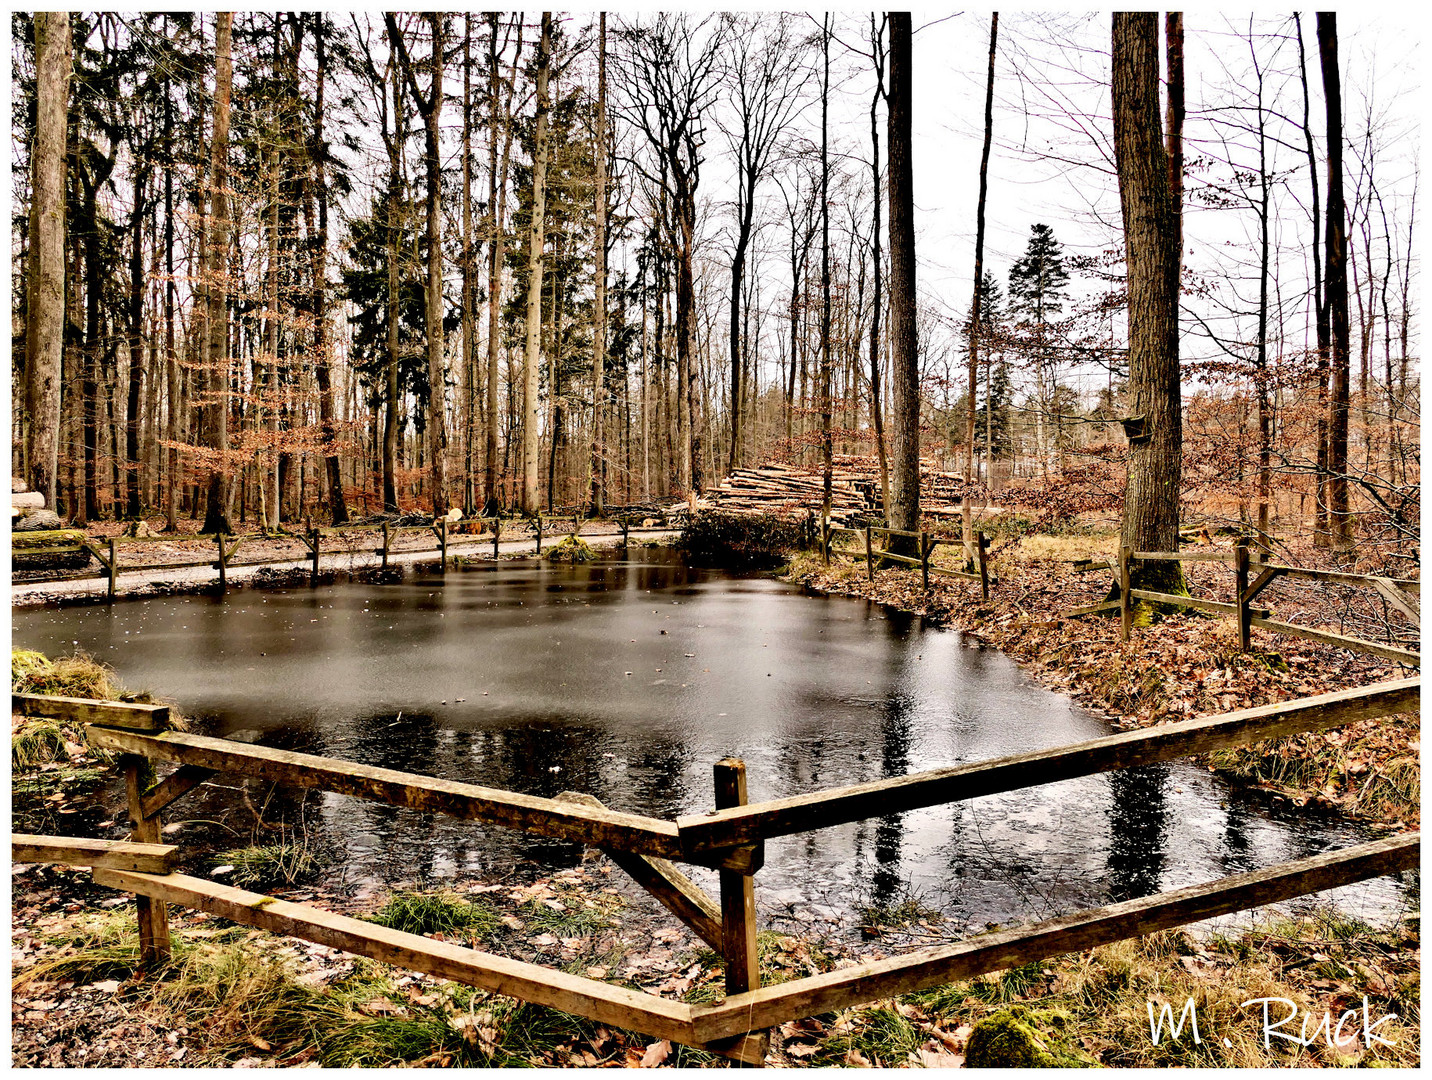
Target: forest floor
[1180,666]
[244,998]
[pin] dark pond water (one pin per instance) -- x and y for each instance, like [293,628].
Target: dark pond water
[629,679]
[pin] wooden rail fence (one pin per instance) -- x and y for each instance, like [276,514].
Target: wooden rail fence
[1401,594]
[925,544]
[311,539]
[731,838]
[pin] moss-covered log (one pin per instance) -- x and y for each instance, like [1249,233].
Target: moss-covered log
[51,549]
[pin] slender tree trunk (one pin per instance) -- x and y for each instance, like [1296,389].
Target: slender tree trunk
[599,252]
[531,415]
[1151,231]
[45,315]
[133,464]
[171,357]
[1340,521]
[877,410]
[216,361]
[469,296]
[825,364]
[976,315]
[497,216]
[904,510]
[322,370]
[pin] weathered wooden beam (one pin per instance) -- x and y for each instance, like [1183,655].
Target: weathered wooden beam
[1261,582]
[1344,578]
[877,798]
[1387,652]
[1184,556]
[895,558]
[180,782]
[1219,606]
[122,714]
[603,1002]
[1402,601]
[108,854]
[543,817]
[674,890]
[1092,609]
[844,987]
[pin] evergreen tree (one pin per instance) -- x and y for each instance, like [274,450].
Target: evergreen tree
[1037,290]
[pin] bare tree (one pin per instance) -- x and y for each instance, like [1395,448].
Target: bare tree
[531,413]
[599,271]
[975,321]
[45,315]
[765,75]
[430,108]
[669,79]
[216,407]
[1152,250]
[904,509]
[1339,518]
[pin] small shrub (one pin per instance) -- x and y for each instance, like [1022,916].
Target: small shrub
[572,549]
[744,541]
[435,913]
[36,743]
[267,866]
[69,676]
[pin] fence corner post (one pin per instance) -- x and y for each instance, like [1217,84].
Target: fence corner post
[315,538]
[925,549]
[223,561]
[869,554]
[626,528]
[825,540]
[539,532]
[496,531]
[113,565]
[1240,570]
[738,897]
[442,542]
[1126,610]
[385,545]
[153,915]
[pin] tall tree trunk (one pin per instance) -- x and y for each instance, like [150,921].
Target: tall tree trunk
[530,410]
[976,315]
[45,314]
[1320,374]
[825,364]
[216,361]
[500,118]
[1340,521]
[599,252]
[1151,237]
[904,510]
[877,410]
[322,371]
[469,296]
[171,357]
[133,464]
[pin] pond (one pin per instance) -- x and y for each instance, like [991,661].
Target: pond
[628,678]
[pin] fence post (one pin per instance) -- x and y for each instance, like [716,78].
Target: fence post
[315,538]
[1240,570]
[385,545]
[738,896]
[925,559]
[983,548]
[539,532]
[223,561]
[626,526]
[442,541]
[153,914]
[113,565]
[496,531]
[1126,610]
[825,540]
[869,554]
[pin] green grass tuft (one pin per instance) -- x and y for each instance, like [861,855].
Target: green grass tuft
[436,913]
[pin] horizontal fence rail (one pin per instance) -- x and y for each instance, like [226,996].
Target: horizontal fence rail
[1399,593]
[716,829]
[925,542]
[311,545]
[730,838]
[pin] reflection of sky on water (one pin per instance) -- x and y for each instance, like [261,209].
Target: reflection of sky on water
[629,680]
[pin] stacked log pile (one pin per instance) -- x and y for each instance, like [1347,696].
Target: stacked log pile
[790,488]
[855,489]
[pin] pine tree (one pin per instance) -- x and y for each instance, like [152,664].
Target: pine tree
[1038,287]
